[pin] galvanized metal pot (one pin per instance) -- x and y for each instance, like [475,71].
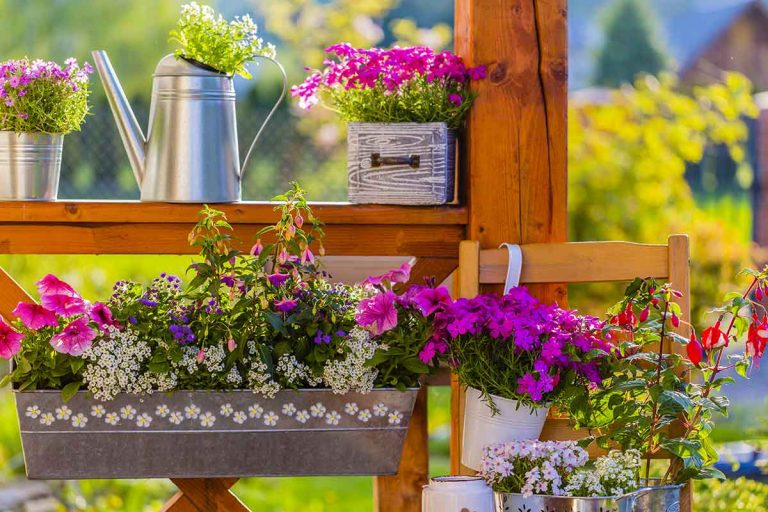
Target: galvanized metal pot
[201,434]
[401,163]
[647,499]
[30,165]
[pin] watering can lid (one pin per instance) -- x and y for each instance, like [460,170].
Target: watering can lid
[170,65]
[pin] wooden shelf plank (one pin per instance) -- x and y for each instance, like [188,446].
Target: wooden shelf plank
[134,212]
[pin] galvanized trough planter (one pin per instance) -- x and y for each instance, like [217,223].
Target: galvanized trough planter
[201,434]
[664,498]
[401,163]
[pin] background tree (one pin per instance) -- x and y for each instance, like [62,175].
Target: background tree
[631,44]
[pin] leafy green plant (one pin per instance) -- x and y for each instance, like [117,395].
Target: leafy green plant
[739,495]
[209,39]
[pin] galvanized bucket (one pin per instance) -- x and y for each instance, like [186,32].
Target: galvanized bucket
[660,498]
[30,165]
[201,434]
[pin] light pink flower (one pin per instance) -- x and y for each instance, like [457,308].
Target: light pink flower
[35,316]
[10,341]
[52,285]
[65,305]
[378,313]
[75,339]
[398,275]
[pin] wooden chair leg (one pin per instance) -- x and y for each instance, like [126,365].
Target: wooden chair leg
[402,492]
[204,495]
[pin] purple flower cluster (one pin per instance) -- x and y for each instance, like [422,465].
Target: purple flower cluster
[18,77]
[391,70]
[547,340]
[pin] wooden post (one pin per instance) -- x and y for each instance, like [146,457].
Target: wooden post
[515,144]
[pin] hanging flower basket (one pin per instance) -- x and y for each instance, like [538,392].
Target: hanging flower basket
[202,434]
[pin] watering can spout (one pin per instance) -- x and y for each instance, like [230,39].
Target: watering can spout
[130,131]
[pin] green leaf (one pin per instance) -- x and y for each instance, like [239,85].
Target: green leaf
[5,380]
[70,390]
[673,402]
[415,365]
[23,366]
[76,364]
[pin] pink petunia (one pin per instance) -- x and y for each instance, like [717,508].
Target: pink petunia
[101,315]
[65,305]
[378,313]
[35,316]
[398,275]
[10,341]
[75,339]
[430,300]
[52,285]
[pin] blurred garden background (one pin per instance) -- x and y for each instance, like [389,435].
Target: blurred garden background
[666,135]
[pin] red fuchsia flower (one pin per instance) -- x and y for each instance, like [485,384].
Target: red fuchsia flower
[644,314]
[257,248]
[75,339]
[675,321]
[101,315]
[378,313]
[277,279]
[285,305]
[626,318]
[757,338]
[695,351]
[713,337]
[35,316]
[759,293]
[429,300]
[10,341]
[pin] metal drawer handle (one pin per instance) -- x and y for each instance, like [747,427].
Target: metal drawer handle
[378,161]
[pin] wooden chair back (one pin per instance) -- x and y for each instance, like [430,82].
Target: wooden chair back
[574,262]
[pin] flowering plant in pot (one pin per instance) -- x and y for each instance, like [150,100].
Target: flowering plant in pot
[517,357]
[403,107]
[540,476]
[657,399]
[259,350]
[40,102]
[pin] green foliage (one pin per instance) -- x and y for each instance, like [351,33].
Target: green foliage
[739,495]
[209,39]
[631,44]
[626,165]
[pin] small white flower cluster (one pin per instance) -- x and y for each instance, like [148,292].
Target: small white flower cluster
[214,359]
[351,373]
[295,372]
[188,361]
[115,364]
[613,475]
[540,466]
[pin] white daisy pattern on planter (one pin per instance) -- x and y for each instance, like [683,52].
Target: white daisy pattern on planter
[47,419]
[162,411]
[144,420]
[176,418]
[255,411]
[380,410]
[364,416]
[332,418]
[351,408]
[79,420]
[33,412]
[395,418]
[112,418]
[227,410]
[289,409]
[191,412]
[127,412]
[270,419]
[302,416]
[63,412]
[317,410]
[98,411]
[239,417]
[207,420]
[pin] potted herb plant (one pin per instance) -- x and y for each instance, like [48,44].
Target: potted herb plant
[517,357]
[403,107]
[260,365]
[40,102]
[655,399]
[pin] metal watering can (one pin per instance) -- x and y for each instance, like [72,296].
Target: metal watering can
[190,153]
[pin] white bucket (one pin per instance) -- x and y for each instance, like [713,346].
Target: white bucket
[455,493]
[482,428]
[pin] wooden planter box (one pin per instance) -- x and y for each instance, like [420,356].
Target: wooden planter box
[401,163]
[201,434]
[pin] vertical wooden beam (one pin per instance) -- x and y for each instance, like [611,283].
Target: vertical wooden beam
[11,293]
[515,147]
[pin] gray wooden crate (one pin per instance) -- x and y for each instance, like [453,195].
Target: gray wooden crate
[401,163]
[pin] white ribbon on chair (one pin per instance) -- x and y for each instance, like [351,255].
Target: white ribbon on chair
[514,266]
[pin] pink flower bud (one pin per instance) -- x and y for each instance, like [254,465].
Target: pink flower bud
[675,320]
[759,293]
[299,220]
[644,314]
[257,248]
[231,345]
[201,356]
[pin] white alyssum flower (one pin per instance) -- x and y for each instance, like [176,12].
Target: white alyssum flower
[33,411]
[317,410]
[127,412]
[270,419]
[79,420]
[234,377]
[380,410]
[255,411]
[191,412]
[214,359]
[352,373]
[395,418]
[162,411]
[364,415]
[176,417]
[207,419]
[351,408]
[63,412]
[226,410]
[332,418]
[289,409]
[144,420]
[258,379]
[239,417]
[302,416]
[295,372]
[47,419]
[98,411]
[613,475]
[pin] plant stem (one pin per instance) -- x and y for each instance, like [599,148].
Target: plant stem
[654,418]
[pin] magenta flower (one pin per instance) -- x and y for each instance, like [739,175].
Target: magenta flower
[399,275]
[75,339]
[65,305]
[257,248]
[35,316]
[429,300]
[52,285]
[431,349]
[285,305]
[456,99]
[101,315]
[277,279]
[10,341]
[378,313]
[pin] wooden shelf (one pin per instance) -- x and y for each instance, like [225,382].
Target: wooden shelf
[133,227]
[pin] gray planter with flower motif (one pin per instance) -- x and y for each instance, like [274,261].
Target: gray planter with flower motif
[201,434]
[401,163]
[661,498]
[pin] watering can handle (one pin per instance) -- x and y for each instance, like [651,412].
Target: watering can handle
[269,116]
